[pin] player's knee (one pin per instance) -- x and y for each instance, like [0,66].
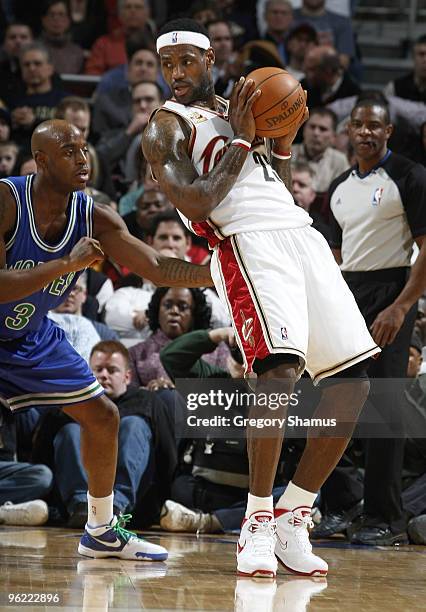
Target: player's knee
[355,373]
[106,415]
[110,414]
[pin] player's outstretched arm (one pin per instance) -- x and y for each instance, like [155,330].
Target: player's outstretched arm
[128,251]
[165,146]
[16,284]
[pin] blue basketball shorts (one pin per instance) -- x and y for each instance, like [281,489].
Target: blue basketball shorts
[42,368]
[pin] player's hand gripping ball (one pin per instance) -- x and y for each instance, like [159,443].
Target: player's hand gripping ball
[281,106]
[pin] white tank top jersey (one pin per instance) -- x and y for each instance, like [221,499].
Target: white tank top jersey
[258,201]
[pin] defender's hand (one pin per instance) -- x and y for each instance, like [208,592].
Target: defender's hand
[86,252]
[241,117]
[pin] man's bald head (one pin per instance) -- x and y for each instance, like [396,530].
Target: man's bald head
[54,131]
[322,65]
[60,152]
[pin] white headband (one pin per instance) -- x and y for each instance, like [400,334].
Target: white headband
[183,38]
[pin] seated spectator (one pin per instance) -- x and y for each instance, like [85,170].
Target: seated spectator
[302,177]
[204,11]
[257,54]
[149,204]
[300,39]
[17,36]
[412,86]
[125,311]
[113,108]
[325,79]
[27,165]
[333,30]
[40,97]
[184,356]
[21,484]
[278,18]
[221,40]
[76,110]
[5,124]
[171,313]
[110,364]
[143,181]
[67,57]
[83,333]
[88,21]
[8,158]
[142,65]
[241,18]
[109,50]
[317,150]
[119,147]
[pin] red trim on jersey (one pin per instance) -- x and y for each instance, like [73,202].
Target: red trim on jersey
[206,231]
[244,312]
[192,140]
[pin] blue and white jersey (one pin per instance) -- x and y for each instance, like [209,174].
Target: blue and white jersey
[26,249]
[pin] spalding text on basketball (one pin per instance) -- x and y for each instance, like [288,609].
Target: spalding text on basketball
[286,111]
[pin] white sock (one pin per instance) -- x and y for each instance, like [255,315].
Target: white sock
[254,504]
[294,496]
[100,511]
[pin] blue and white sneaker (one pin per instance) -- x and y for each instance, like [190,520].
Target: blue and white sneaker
[114,541]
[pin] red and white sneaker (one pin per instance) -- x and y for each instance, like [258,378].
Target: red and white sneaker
[293,548]
[256,544]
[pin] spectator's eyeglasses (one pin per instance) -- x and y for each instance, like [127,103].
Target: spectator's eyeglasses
[182,306]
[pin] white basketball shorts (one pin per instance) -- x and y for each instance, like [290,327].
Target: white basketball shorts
[286,294]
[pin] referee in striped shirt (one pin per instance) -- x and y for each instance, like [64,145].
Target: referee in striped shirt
[378,212]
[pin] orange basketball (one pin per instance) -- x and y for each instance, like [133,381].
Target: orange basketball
[281,104]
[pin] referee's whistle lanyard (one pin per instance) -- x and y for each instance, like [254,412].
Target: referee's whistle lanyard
[379,163]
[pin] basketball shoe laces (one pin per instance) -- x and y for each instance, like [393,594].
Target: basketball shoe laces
[119,529]
[263,537]
[301,533]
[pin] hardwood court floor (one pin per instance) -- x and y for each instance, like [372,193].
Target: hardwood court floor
[200,575]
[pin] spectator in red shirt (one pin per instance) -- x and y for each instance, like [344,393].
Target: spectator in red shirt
[109,50]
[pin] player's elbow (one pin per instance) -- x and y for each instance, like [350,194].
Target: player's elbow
[201,210]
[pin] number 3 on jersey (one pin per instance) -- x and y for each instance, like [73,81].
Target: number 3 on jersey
[24,313]
[268,172]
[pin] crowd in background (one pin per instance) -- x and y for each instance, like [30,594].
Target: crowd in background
[139,338]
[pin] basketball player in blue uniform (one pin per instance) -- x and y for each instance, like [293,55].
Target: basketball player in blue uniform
[49,232]
[290,307]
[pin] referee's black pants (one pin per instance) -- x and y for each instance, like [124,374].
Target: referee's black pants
[374,291]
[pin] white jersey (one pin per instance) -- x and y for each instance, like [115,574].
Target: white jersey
[258,201]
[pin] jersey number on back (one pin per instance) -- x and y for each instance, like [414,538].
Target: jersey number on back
[24,313]
[268,172]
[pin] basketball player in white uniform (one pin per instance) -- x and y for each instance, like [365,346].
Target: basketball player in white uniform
[290,306]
